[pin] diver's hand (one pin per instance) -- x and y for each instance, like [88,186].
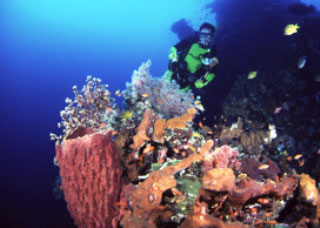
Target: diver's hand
[205,80]
[200,83]
[214,62]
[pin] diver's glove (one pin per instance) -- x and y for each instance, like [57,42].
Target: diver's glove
[173,59]
[173,54]
[202,82]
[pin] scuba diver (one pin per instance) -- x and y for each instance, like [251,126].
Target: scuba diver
[192,60]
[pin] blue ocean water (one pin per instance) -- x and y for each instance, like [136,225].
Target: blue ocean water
[46,47]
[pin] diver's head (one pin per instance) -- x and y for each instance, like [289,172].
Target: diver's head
[206,34]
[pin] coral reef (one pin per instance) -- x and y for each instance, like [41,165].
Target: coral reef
[150,165]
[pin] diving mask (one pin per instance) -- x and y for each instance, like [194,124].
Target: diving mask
[205,38]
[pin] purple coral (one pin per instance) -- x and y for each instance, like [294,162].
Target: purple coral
[222,157]
[159,94]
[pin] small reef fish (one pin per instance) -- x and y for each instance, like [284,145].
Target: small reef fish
[148,149]
[271,222]
[268,214]
[242,176]
[102,125]
[192,148]
[301,163]
[200,125]
[263,201]
[200,107]
[145,95]
[252,74]
[291,29]
[197,102]
[298,156]
[302,62]
[126,115]
[277,110]
[196,135]
[264,166]
[118,93]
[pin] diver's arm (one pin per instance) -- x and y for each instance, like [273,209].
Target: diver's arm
[177,49]
[210,72]
[204,81]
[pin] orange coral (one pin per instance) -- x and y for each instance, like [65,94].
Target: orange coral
[308,189]
[188,117]
[174,123]
[219,179]
[141,136]
[181,122]
[200,218]
[247,188]
[158,130]
[147,197]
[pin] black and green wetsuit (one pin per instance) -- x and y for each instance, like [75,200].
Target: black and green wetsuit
[187,57]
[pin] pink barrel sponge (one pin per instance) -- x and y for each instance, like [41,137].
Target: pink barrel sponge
[90,171]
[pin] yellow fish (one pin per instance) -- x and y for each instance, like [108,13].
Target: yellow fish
[200,107]
[192,148]
[291,29]
[197,102]
[145,95]
[298,156]
[252,74]
[264,166]
[196,134]
[126,115]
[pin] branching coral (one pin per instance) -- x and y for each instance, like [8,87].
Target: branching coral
[92,107]
[142,131]
[164,97]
